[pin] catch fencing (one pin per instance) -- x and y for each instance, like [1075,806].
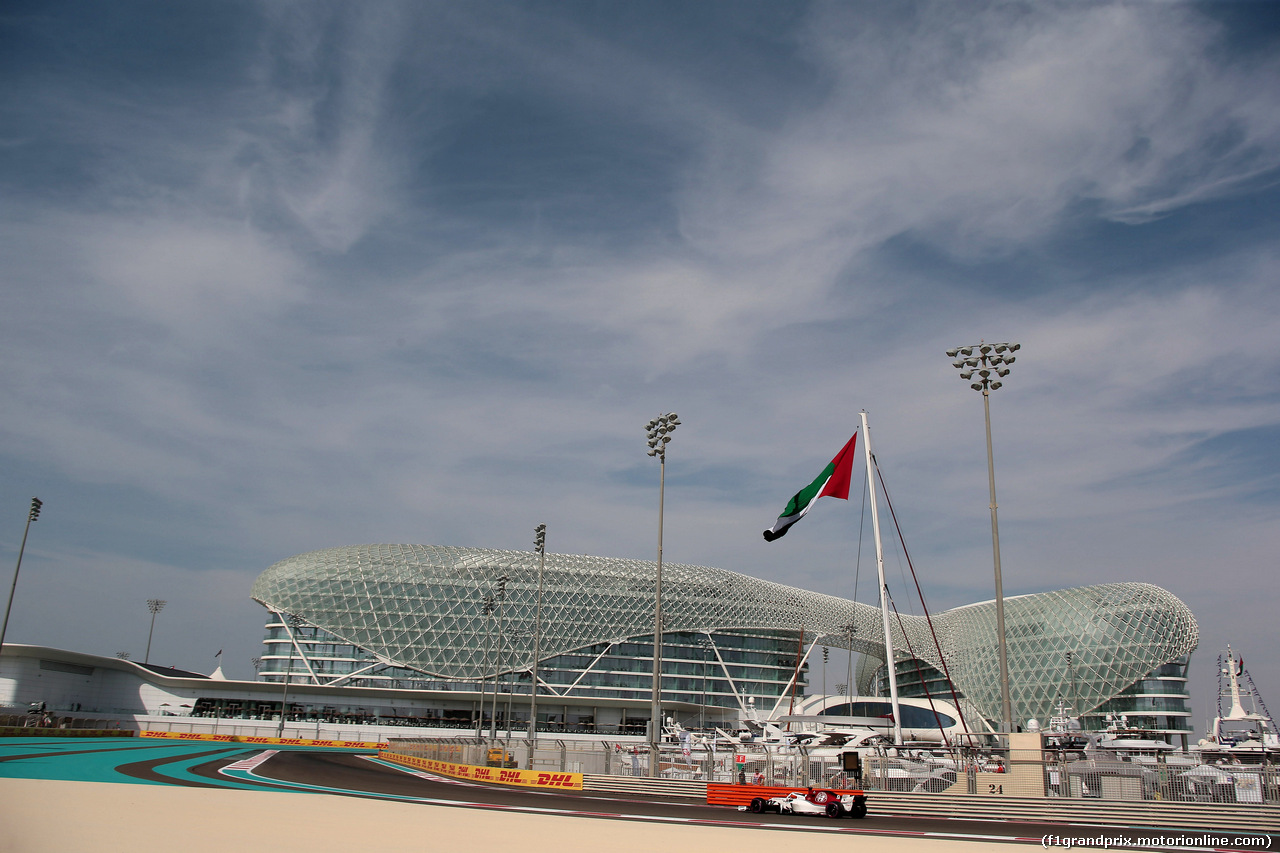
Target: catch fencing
[1007,773]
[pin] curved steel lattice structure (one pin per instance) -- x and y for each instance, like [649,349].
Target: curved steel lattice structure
[422,607]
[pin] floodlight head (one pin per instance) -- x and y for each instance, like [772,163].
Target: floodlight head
[968,374]
[957,364]
[1009,359]
[977,386]
[984,349]
[966,350]
[1004,371]
[973,362]
[674,418]
[1014,347]
[653,452]
[952,353]
[1001,347]
[996,384]
[36,503]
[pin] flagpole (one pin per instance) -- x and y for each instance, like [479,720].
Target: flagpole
[884,590]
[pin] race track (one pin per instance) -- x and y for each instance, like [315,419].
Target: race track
[359,774]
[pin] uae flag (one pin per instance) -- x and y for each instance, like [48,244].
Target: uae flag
[832,482]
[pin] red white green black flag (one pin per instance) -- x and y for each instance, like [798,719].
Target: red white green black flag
[833,482]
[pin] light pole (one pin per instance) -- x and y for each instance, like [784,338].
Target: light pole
[1071,659]
[659,432]
[850,631]
[991,364]
[294,621]
[500,598]
[32,515]
[487,609]
[539,545]
[155,605]
[705,643]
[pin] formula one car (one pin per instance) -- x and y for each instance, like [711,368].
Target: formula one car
[813,802]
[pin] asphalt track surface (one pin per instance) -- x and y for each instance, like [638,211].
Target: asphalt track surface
[359,774]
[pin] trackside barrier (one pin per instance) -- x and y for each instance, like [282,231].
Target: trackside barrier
[551,755]
[742,795]
[1024,769]
[1155,815]
[1137,814]
[22,731]
[497,775]
[266,741]
[1032,786]
[36,724]
[597,783]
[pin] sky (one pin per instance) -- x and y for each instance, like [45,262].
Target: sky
[277,277]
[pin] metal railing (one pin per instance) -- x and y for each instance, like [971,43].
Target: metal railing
[56,721]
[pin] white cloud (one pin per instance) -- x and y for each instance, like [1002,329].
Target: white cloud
[989,127]
[190,278]
[265,312]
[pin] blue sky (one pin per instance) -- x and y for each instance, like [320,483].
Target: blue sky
[282,276]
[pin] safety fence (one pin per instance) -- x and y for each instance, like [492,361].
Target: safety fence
[1027,772]
[561,756]
[618,769]
[266,729]
[45,724]
[1016,772]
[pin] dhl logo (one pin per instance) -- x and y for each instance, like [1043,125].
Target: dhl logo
[556,780]
[572,781]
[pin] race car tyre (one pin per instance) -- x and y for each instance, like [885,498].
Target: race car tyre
[834,810]
[859,810]
[758,805]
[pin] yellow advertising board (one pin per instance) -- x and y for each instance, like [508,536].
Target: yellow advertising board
[268,741]
[498,775]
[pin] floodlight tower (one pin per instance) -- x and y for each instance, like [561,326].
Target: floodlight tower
[32,515]
[500,600]
[294,621]
[488,605]
[991,364]
[659,433]
[539,545]
[155,605]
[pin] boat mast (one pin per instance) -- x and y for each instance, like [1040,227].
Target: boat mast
[1237,709]
[884,590]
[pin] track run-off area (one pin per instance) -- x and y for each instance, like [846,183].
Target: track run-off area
[105,794]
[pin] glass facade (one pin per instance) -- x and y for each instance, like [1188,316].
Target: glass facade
[1158,703]
[417,613]
[701,669]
